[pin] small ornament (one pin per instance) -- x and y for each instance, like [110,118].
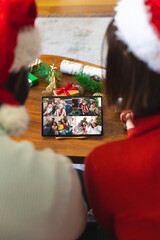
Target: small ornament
[81,89]
[98,94]
[52,81]
[34,65]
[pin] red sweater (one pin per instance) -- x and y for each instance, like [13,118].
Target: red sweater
[123,183]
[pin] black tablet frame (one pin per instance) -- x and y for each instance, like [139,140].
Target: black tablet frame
[71,97]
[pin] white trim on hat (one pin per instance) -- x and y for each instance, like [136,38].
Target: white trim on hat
[14,119]
[134,28]
[27,49]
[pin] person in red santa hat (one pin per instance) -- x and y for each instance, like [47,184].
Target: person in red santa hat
[40,192]
[122,177]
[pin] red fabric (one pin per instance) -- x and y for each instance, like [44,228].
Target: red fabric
[131,131]
[123,183]
[154,7]
[64,125]
[14,15]
[7,97]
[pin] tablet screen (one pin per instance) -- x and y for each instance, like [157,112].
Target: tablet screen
[72,116]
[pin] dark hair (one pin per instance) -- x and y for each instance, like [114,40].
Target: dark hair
[130,78]
[64,120]
[17,84]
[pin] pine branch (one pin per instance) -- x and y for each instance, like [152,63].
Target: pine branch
[88,83]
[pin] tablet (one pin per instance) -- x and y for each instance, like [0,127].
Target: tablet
[72,116]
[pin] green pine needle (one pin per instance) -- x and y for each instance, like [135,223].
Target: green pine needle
[58,75]
[44,71]
[88,83]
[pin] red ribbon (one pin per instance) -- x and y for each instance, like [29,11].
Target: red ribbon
[65,89]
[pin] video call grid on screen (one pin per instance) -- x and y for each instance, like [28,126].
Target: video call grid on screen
[72,116]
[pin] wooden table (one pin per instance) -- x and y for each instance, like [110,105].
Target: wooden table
[77,149]
[74,8]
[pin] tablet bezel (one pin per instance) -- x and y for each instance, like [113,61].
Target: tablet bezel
[72,136]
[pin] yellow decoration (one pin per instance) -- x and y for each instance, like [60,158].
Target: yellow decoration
[52,80]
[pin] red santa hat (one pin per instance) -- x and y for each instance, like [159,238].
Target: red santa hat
[138,24]
[19,40]
[20,45]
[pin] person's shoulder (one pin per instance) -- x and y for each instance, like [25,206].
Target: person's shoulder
[25,151]
[108,151]
[14,146]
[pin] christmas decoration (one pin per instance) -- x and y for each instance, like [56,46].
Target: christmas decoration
[71,68]
[35,65]
[47,73]
[43,71]
[81,89]
[88,83]
[52,81]
[32,80]
[67,90]
[96,73]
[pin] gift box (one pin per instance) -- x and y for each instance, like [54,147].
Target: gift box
[67,90]
[32,80]
[71,93]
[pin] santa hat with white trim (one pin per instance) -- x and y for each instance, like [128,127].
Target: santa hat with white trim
[138,26]
[20,45]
